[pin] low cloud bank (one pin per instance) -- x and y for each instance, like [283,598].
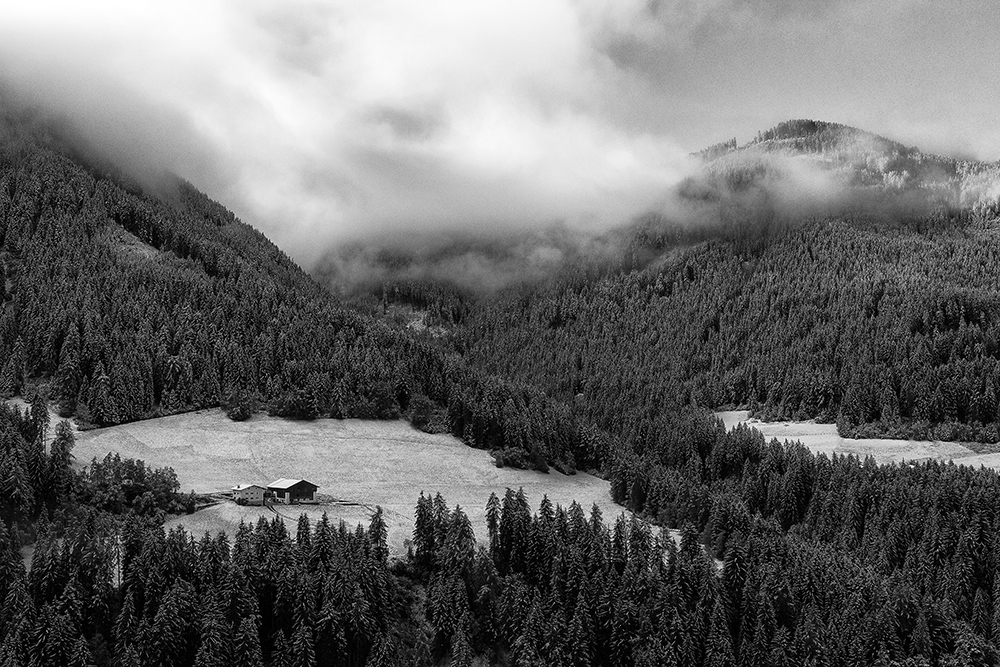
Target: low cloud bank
[322,122]
[752,192]
[329,124]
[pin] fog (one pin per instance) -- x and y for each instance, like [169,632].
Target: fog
[330,125]
[323,122]
[756,191]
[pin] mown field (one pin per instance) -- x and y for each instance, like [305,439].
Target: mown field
[357,465]
[824,438]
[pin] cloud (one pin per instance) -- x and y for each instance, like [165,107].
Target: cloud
[320,122]
[326,122]
[477,263]
[751,193]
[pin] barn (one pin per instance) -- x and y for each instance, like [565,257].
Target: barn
[249,494]
[290,491]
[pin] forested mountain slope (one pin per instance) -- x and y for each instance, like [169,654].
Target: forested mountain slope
[880,311]
[123,302]
[893,332]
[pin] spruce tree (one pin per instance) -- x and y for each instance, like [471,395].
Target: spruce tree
[246,649]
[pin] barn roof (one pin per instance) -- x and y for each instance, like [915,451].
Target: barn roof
[287,483]
[244,487]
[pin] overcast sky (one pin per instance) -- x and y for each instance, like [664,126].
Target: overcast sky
[324,121]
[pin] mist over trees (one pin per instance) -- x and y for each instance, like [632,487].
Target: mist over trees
[882,317]
[124,305]
[121,303]
[796,173]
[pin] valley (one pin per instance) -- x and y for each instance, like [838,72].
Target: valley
[179,337]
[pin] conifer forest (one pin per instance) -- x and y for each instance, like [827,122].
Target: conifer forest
[124,301]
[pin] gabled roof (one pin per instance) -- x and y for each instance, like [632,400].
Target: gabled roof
[287,483]
[244,487]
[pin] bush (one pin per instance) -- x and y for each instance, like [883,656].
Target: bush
[514,457]
[427,416]
[241,405]
[297,404]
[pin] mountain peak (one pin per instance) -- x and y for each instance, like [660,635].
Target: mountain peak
[848,159]
[816,137]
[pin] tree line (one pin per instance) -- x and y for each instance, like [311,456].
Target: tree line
[888,331]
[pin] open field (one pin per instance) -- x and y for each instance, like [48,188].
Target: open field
[357,465]
[824,438]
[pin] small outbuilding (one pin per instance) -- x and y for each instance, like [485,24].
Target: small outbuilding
[249,494]
[291,491]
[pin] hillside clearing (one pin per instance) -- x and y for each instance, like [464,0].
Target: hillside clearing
[823,438]
[357,464]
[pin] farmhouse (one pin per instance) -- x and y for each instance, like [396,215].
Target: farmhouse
[291,491]
[249,494]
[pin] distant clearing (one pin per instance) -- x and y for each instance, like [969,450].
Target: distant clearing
[824,438]
[359,463]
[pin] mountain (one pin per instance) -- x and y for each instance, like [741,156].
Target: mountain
[125,298]
[869,165]
[125,301]
[802,280]
[817,272]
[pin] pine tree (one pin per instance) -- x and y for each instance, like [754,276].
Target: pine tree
[302,649]
[39,419]
[53,641]
[920,638]
[12,372]
[719,649]
[60,462]
[580,639]
[14,487]
[32,450]
[246,652]
[424,533]
[982,621]
[81,655]
[129,657]
[213,648]
[461,651]
[169,637]
[281,655]
[526,647]
[378,533]
[303,533]
[493,523]
[14,647]
[100,404]
[126,625]
[68,376]
[456,554]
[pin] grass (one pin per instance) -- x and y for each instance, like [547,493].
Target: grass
[357,465]
[824,438]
